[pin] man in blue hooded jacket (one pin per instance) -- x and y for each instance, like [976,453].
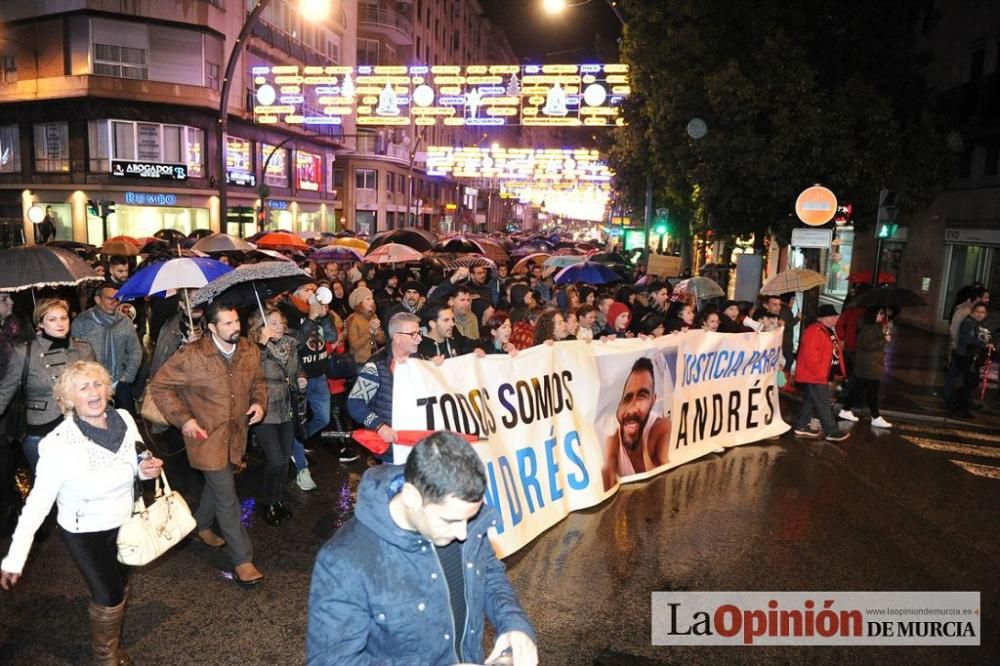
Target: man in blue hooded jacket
[409,579]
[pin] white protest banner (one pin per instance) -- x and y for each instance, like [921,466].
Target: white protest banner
[562,425]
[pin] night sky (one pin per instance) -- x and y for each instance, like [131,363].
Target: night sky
[569,37]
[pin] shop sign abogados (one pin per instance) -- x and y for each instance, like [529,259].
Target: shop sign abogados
[816,206]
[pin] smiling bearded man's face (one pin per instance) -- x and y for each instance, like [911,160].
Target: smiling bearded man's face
[634,407]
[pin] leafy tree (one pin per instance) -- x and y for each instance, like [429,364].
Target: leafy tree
[792,93]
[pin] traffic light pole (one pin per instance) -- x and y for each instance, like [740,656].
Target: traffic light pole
[886,200]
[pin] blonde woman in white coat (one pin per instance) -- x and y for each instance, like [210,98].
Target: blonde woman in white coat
[87,466]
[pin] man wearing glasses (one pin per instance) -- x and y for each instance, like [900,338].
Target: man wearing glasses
[115,342]
[370,401]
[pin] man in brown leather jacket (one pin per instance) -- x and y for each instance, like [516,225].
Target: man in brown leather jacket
[213,390]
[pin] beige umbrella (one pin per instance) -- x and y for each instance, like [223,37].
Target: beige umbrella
[795,280]
[222,243]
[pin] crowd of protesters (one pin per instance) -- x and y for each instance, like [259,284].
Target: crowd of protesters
[227,378]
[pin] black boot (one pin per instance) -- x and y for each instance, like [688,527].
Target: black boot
[270,515]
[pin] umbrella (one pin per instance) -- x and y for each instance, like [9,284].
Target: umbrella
[345,233]
[608,258]
[888,297]
[172,236]
[198,234]
[74,246]
[534,258]
[267,255]
[336,253]
[865,277]
[153,245]
[795,280]
[281,240]
[563,261]
[131,240]
[530,247]
[222,243]
[393,253]
[452,260]
[30,266]
[121,248]
[419,239]
[356,243]
[463,244]
[250,283]
[587,272]
[310,235]
[183,273]
[699,287]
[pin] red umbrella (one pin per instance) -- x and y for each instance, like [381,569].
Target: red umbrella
[372,441]
[282,240]
[865,277]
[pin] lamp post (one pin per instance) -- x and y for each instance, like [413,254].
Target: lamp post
[414,142]
[313,10]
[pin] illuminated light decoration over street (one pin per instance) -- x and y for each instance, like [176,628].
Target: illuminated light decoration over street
[448,95]
[574,183]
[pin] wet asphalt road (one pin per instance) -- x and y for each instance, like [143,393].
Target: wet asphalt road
[914,509]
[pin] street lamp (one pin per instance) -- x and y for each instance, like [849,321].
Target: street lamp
[311,10]
[558,6]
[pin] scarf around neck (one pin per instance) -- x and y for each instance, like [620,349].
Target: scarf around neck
[56,343]
[109,438]
[107,323]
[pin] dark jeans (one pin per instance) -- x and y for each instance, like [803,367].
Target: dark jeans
[96,556]
[30,448]
[276,440]
[124,399]
[869,388]
[816,402]
[956,370]
[967,372]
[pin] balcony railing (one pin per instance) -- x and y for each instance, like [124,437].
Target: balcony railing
[385,18]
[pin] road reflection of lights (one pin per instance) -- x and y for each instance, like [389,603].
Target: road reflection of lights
[963,449]
[988,471]
[247,507]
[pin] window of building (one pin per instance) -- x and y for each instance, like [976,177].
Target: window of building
[366,179]
[276,173]
[8,69]
[390,220]
[212,75]
[10,149]
[122,61]
[52,147]
[338,178]
[144,142]
[364,221]
[367,51]
[366,142]
[195,152]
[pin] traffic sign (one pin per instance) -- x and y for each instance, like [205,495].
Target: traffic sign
[821,238]
[816,205]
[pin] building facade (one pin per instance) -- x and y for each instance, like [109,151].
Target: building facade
[105,104]
[955,240]
[105,101]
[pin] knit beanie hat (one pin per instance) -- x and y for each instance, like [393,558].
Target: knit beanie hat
[615,310]
[358,295]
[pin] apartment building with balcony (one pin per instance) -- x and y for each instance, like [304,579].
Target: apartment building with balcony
[115,101]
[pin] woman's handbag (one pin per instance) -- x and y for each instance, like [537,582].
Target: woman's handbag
[150,411]
[153,530]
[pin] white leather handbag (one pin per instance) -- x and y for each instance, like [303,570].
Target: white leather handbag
[153,530]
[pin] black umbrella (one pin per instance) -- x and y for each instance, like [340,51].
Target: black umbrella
[888,296]
[608,258]
[198,234]
[249,284]
[36,266]
[81,249]
[172,236]
[452,260]
[418,239]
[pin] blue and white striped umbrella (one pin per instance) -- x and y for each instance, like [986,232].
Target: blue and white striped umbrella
[183,273]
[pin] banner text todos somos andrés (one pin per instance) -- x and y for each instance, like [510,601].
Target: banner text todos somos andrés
[564,424]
